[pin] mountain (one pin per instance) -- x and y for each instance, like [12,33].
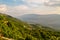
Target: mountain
[52,20]
[14,29]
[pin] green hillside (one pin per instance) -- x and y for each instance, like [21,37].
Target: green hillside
[13,28]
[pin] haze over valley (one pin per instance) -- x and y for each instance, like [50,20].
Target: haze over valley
[51,20]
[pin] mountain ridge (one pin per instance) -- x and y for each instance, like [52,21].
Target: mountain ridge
[46,20]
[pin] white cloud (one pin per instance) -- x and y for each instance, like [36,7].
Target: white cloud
[23,9]
[3,8]
[32,6]
[34,3]
[17,10]
[53,3]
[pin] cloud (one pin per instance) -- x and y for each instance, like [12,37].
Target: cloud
[3,8]
[17,10]
[34,3]
[52,3]
[32,6]
[24,9]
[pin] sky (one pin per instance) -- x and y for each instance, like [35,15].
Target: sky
[21,7]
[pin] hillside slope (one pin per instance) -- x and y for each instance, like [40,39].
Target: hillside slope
[13,28]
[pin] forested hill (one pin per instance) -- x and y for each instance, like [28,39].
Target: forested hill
[14,29]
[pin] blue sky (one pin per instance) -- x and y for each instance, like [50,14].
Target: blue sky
[20,7]
[12,2]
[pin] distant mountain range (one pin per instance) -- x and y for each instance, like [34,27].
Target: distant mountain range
[52,20]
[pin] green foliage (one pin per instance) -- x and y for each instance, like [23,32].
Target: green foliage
[16,29]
